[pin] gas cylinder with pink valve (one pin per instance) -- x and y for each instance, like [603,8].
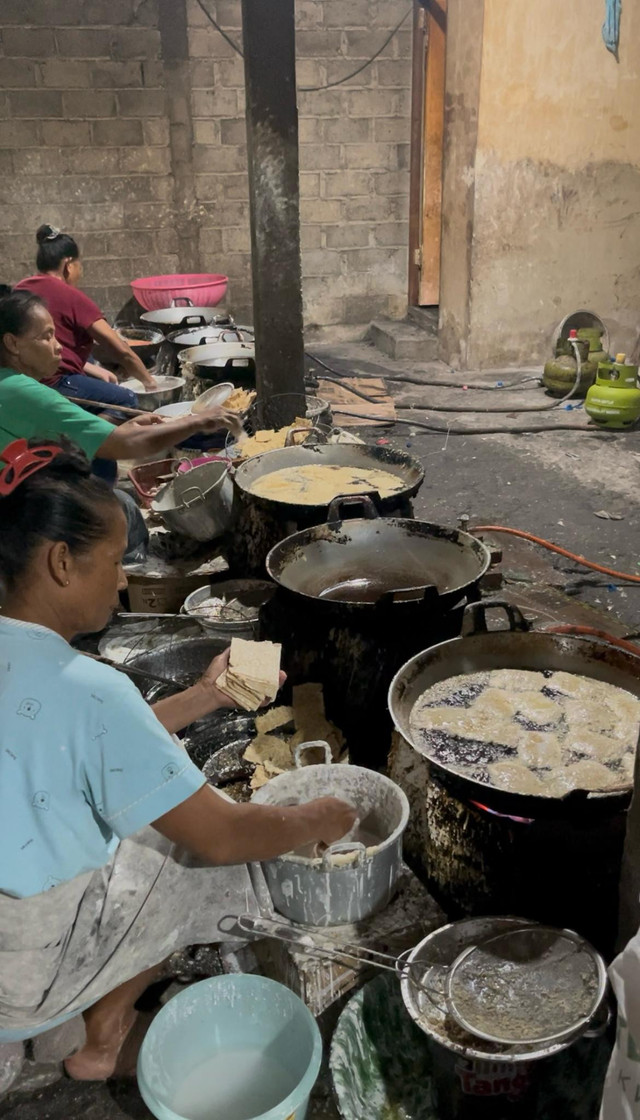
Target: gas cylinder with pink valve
[560,372]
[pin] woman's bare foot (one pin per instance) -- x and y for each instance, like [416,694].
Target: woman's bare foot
[98,1059]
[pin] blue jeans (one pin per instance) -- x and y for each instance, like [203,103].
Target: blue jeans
[103,393]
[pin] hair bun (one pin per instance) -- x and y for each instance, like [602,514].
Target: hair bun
[46,233]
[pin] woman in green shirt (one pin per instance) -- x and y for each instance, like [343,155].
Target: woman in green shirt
[30,353]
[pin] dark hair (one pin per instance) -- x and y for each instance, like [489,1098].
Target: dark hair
[53,248]
[5,290]
[59,502]
[15,312]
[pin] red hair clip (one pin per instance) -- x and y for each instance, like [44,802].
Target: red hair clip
[23,461]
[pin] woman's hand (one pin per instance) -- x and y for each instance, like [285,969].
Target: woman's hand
[220,417]
[209,678]
[92,369]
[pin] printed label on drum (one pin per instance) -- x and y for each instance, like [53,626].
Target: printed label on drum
[492,1079]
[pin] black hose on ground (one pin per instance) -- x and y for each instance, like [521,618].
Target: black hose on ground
[471,431]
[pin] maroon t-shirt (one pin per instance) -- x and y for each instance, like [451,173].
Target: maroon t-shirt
[73,313]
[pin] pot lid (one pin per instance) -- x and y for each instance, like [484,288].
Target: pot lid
[186,316]
[526,986]
[218,353]
[207,335]
[212,397]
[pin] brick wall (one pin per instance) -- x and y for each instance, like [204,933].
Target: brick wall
[354,155]
[84,144]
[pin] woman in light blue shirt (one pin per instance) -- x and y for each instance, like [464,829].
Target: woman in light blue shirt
[92,900]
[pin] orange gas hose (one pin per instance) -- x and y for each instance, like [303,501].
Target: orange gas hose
[555,548]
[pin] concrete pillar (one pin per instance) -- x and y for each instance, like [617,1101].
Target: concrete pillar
[272,140]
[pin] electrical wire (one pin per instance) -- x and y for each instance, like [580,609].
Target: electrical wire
[411,380]
[450,430]
[328,85]
[555,548]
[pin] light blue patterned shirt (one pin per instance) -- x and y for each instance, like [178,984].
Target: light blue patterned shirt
[83,761]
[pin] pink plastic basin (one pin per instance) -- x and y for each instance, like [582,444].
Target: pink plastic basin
[204,289]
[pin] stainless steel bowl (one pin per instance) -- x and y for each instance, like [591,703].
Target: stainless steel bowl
[168,391]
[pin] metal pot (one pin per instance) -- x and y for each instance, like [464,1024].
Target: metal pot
[221,361]
[349,882]
[197,503]
[144,343]
[473,1078]
[193,337]
[168,391]
[249,592]
[366,561]
[516,648]
[363,456]
[182,313]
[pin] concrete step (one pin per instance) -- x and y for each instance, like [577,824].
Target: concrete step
[404,340]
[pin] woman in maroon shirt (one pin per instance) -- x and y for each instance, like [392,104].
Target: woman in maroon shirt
[79,324]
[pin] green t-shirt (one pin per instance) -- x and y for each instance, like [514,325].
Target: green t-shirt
[29,410]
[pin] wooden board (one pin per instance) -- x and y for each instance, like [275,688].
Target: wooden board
[338,395]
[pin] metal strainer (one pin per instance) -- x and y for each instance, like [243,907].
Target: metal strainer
[529,985]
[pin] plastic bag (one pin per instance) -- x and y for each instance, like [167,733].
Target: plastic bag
[621,1098]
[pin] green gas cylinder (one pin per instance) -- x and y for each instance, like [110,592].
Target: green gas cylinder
[614,400]
[561,371]
[593,335]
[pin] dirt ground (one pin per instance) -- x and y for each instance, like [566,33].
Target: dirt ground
[553,484]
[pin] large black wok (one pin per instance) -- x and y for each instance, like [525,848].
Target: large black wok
[517,648]
[364,456]
[375,559]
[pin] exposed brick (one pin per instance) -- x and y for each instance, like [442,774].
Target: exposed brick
[371,103]
[89,103]
[321,210]
[382,156]
[153,73]
[391,182]
[67,161]
[391,233]
[364,44]
[310,72]
[310,237]
[359,309]
[340,68]
[318,44]
[309,184]
[135,42]
[236,239]
[210,241]
[6,162]
[326,103]
[36,103]
[156,131]
[166,240]
[116,75]
[365,260]
[309,13]
[17,73]
[84,42]
[229,72]
[120,12]
[378,209]
[206,42]
[63,133]
[394,72]
[354,13]
[154,161]
[402,44]
[403,157]
[310,130]
[19,134]
[214,102]
[206,132]
[237,186]
[348,131]
[220,159]
[320,157]
[228,14]
[146,215]
[233,131]
[388,12]
[391,129]
[117,132]
[347,236]
[26,42]
[340,184]
[108,271]
[142,103]
[58,73]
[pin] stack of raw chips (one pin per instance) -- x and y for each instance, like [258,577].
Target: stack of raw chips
[252,676]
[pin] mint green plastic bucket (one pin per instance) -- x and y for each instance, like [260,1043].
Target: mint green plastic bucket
[231,1048]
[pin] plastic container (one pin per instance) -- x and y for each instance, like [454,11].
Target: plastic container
[148,478]
[250,1043]
[206,289]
